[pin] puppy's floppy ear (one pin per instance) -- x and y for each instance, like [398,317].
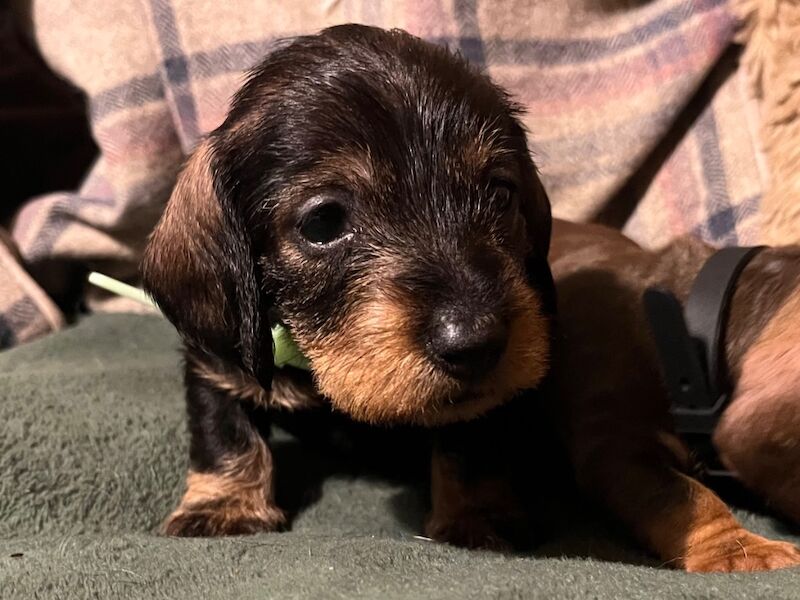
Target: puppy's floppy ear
[539,224]
[535,207]
[536,210]
[199,268]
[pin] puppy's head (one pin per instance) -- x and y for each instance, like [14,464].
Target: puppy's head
[374,193]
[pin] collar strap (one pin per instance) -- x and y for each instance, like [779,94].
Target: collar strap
[707,310]
[691,347]
[690,342]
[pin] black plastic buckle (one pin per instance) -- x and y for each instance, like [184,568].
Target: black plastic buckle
[695,412]
[692,406]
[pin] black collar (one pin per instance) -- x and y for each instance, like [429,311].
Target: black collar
[690,341]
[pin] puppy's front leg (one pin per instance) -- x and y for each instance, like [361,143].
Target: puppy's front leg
[677,517]
[229,487]
[473,503]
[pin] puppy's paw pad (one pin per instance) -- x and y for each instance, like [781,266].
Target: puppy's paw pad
[466,531]
[214,521]
[749,552]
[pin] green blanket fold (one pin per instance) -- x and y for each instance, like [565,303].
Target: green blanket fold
[93,454]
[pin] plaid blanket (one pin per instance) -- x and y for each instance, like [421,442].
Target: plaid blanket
[637,112]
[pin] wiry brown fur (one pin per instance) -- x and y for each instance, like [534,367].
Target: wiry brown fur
[180,239]
[758,434]
[236,498]
[289,391]
[373,370]
[395,225]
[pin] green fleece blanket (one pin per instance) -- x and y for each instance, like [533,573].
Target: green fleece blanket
[92,457]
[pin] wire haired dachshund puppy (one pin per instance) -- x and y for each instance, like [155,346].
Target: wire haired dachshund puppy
[615,415]
[374,194]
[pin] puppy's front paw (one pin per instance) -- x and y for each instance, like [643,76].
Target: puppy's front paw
[744,552]
[468,530]
[221,518]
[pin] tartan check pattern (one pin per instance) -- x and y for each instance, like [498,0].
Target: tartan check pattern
[605,91]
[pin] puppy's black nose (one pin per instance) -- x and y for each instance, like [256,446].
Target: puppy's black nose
[467,346]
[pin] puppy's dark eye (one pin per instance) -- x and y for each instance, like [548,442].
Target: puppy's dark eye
[324,223]
[504,193]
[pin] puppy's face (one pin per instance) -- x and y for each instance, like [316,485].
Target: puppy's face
[376,195]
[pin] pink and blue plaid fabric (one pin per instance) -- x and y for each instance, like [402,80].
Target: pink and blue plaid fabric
[637,112]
